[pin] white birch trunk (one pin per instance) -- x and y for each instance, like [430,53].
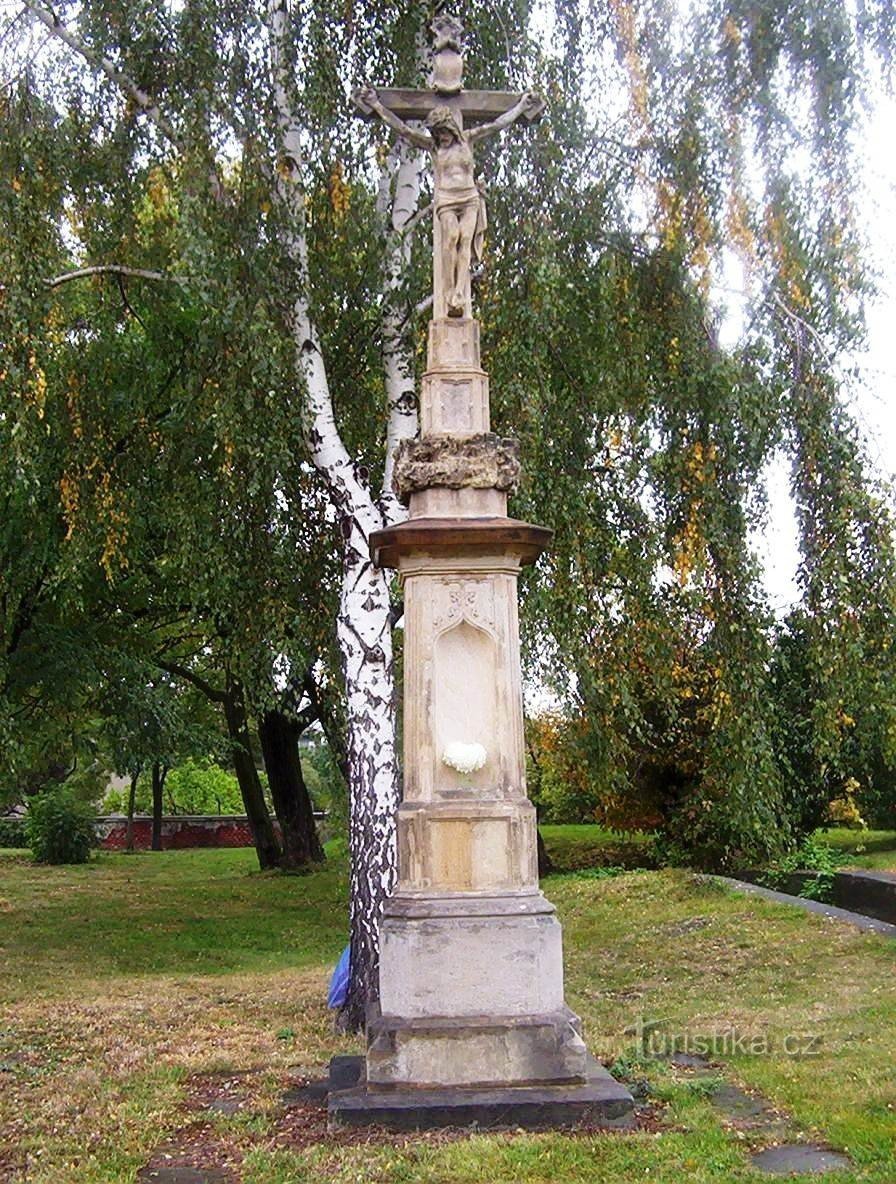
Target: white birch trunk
[364,632]
[364,628]
[397,201]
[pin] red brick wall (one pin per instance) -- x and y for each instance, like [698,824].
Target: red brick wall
[177,832]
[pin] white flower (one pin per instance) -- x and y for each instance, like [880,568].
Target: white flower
[465,758]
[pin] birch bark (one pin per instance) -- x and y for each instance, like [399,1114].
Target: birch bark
[364,627]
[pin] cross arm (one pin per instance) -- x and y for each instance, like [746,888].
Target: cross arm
[529,107]
[475,106]
[370,105]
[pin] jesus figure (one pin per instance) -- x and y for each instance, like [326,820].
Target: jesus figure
[459,204]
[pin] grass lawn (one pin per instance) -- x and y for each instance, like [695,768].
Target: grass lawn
[874,850]
[581,846]
[576,846]
[137,990]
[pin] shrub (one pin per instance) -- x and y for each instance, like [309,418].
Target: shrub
[195,787]
[325,785]
[844,811]
[60,827]
[12,832]
[192,787]
[813,855]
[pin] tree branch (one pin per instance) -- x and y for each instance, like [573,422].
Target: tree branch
[210,692]
[398,199]
[124,81]
[118,269]
[328,452]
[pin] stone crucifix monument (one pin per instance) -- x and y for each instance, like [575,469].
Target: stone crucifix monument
[471,1023]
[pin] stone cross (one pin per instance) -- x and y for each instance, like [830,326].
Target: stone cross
[454,398]
[471,1023]
[447,110]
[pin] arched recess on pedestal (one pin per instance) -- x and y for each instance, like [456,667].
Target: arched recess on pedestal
[465,698]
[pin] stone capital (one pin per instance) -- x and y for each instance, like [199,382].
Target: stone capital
[482,461]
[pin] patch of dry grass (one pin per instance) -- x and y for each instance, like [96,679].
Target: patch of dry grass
[155,1008]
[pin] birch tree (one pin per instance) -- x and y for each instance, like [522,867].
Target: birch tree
[261,139]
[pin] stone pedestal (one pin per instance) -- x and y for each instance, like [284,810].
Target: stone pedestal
[471,967]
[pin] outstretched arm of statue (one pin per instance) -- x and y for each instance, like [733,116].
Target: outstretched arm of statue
[529,106]
[366,98]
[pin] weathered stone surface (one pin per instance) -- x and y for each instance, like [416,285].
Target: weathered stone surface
[458,503]
[454,844]
[598,1100]
[184,1175]
[476,1051]
[743,1108]
[454,403]
[444,965]
[483,461]
[446,545]
[453,344]
[803,1158]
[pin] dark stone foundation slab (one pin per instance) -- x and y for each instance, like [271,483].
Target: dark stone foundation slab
[800,1158]
[598,1101]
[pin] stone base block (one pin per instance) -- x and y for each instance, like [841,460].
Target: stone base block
[464,956]
[486,1051]
[453,343]
[454,402]
[448,846]
[598,1100]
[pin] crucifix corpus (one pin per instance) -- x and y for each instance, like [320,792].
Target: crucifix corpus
[459,218]
[471,1024]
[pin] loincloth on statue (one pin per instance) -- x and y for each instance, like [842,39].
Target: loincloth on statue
[461,200]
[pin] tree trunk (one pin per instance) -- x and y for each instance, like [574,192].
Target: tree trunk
[545,863]
[365,639]
[158,782]
[266,845]
[292,803]
[363,625]
[132,801]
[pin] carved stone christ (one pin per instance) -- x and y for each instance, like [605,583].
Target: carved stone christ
[459,205]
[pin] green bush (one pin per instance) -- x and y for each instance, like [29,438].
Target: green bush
[325,785]
[192,787]
[12,832]
[198,788]
[60,827]
[813,855]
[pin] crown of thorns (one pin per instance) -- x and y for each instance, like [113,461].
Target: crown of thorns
[443,118]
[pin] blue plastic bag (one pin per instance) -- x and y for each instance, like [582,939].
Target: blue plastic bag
[339,982]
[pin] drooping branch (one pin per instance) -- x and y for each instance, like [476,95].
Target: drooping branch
[144,101]
[121,79]
[119,269]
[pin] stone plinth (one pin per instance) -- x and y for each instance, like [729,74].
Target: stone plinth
[455,387]
[598,1100]
[471,963]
